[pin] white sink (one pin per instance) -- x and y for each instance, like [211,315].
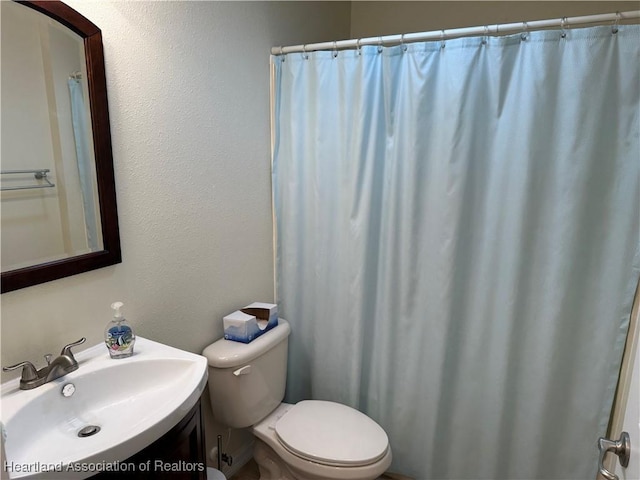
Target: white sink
[133,400]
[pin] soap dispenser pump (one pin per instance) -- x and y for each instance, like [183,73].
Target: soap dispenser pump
[118,335]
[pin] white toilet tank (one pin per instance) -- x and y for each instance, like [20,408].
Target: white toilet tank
[247,381]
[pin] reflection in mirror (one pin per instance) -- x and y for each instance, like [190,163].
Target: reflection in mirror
[59,213]
[49,191]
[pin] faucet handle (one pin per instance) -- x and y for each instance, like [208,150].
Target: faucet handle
[29,372]
[66,350]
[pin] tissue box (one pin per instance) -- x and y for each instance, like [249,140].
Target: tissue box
[240,327]
[249,323]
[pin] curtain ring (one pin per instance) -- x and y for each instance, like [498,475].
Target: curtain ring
[282,53]
[614,29]
[379,44]
[563,25]
[305,55]
[485,38]
[335,49]
[404,47]
[525,31]
[358,47]
[442,42]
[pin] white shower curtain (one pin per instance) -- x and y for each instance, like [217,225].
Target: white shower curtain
[458,242]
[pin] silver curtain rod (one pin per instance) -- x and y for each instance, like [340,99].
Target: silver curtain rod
[497,29]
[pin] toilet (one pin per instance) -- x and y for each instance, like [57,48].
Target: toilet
[311,440]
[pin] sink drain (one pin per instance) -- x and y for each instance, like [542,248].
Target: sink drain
[88,431]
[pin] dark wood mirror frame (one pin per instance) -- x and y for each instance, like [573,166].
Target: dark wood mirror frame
[111,254]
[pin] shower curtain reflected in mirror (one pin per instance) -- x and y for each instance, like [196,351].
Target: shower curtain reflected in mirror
[85,161]
[458,243]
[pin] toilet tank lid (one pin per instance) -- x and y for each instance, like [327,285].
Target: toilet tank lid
[229,354]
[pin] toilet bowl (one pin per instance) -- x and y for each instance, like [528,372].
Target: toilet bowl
[317,440]
[311,440]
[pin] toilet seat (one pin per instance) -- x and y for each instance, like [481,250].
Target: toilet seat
[331,434]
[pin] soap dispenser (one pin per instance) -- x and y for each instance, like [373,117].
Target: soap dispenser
[118,335]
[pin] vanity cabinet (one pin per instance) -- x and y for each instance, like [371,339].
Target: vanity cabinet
[178,455]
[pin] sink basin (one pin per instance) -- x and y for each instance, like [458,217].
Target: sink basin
[133,401]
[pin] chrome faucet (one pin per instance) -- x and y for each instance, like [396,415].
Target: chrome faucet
[59,367]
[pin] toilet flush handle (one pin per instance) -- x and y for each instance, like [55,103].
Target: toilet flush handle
[243,371]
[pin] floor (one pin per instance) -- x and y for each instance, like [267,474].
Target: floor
[250,472]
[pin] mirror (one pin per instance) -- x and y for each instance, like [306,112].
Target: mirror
[59,214]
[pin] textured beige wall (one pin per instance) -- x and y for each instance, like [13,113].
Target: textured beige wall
[188,86]
[370,19]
